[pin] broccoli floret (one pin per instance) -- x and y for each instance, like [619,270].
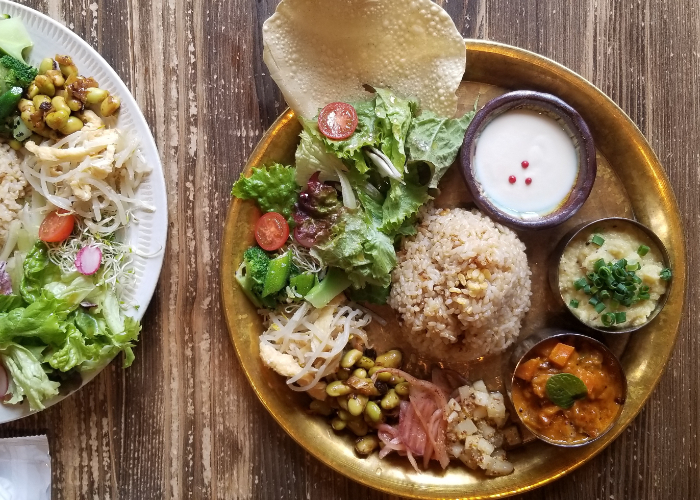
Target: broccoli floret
[251,274]
[14,73]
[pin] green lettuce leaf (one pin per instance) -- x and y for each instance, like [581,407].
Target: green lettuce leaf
[402,201]
[9,302]
[311,157]
[74,351]
[38,271]
[367,133]
[394,118]
[436,141]
[360,249]
[27,376]
[44,319]
[272,187]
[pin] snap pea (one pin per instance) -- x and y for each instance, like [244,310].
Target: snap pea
[303,283]
[277,274]
[9,101]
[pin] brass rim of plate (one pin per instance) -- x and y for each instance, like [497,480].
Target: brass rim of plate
[646,355]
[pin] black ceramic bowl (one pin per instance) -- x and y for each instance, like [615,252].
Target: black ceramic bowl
[573,125]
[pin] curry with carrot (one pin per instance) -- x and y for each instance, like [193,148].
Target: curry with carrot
[568,390]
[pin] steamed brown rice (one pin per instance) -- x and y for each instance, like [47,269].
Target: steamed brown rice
[462,285]
[12,188]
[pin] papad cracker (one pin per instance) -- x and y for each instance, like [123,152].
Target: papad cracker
[320,51]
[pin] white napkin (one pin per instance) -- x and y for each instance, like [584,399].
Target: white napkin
[25,468]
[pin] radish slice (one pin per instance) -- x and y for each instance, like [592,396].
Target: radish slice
[4,381]
[88,260]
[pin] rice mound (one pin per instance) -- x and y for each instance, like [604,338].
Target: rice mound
[13,186]
[462,285]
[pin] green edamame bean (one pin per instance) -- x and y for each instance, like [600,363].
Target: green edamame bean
[360,373]
[402,389]
[343,374]
[373,411]
[337,388]
[390,359]
[338,424]
[359,427]
[356,404]
[350,358]
[364,362]
[367,444]
[342,402]
[390,400]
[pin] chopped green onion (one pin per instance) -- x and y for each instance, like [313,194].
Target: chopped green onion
[618,296]
[621,263]
[633,267]
[608,319]
[620,317]
[665,274]
[614,304]
[604,294]
[587,289]
[605,272]
[598,264]
[644,289]
[594,290]
[636,279]
[573,303]
[591,276]
[599,307]
[643,250]
[597,240]
[580,283]
[598,283]
[593,301]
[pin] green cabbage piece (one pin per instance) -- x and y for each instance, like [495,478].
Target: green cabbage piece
[273,188]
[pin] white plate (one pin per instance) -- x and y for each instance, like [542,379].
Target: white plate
[149,235]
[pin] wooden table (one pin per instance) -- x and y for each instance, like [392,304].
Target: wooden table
[182,422]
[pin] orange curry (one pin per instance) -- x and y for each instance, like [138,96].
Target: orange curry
[589,416]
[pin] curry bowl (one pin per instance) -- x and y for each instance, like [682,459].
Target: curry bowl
[568,389]
[646,274]
[529,160]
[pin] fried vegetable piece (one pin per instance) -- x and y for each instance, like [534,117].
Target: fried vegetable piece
[527,369]
[560,354]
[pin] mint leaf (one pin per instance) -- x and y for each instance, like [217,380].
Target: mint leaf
[563,389]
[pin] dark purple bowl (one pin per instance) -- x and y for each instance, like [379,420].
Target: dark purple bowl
[573,125]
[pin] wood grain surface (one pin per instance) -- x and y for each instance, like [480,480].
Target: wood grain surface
[182,422]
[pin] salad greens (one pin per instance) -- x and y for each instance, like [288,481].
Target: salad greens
[272,187]
[45,330]
[358,195]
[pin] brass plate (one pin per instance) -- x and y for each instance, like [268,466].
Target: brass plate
[630,182]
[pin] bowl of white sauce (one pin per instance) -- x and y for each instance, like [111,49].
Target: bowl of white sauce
[529,160]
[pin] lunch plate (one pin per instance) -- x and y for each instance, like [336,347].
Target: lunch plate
[148,235]
[630,183]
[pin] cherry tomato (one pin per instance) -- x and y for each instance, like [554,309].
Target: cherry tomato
[337,121]
[271,231]
[57,226]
